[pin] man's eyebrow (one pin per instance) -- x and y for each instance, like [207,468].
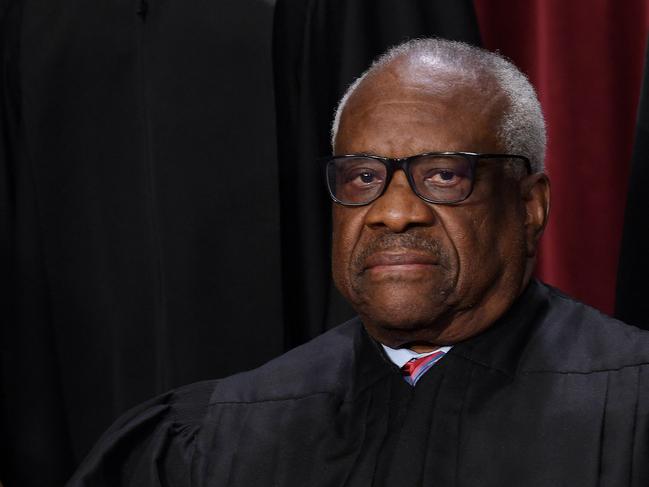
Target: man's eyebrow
[375,154]
[362,153]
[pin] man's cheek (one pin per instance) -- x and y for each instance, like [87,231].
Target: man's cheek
[341,262]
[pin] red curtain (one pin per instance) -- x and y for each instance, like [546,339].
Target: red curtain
[585,58]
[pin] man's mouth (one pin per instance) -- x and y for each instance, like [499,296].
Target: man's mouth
[398,261]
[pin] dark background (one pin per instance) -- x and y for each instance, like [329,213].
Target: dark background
[162,216]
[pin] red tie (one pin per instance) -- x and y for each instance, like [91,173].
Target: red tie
[416,367]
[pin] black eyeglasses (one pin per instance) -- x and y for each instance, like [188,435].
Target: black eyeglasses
[436,177]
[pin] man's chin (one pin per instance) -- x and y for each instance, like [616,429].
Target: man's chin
[396,323]
[405,334]
[403,302]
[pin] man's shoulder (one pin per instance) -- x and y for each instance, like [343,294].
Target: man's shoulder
[316,367]
[313,368]
[577,338]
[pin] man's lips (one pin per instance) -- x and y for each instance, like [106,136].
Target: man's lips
[394,259]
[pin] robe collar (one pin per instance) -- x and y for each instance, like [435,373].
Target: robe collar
[503,345]
[500,347]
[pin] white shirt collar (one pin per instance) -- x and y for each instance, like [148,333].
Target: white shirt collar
[402,355]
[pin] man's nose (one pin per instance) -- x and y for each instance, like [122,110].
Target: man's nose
[399,208]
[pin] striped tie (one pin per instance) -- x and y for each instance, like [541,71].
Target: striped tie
[417,367]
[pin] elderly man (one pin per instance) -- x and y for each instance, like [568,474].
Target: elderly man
[461,369]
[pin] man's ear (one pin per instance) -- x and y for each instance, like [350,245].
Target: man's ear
[535,195]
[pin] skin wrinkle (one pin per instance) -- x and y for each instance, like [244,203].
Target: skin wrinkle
[481,247]
[479,109]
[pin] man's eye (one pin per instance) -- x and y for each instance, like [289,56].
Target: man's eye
[362,177]
[446,175]
[443,177]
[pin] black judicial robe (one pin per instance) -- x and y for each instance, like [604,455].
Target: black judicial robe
[554,394]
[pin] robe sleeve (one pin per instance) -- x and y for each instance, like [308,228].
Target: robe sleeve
[151,445]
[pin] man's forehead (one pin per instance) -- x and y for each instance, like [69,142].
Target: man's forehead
[413,100]
[420,75]
[427,86]
[434,99]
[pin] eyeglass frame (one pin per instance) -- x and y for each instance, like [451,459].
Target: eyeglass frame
[393,164]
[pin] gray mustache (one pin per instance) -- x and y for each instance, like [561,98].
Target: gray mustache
[392,241]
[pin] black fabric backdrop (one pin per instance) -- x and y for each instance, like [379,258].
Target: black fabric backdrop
[158,226]
[631,303]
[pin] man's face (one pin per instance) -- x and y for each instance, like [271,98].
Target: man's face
[419,273]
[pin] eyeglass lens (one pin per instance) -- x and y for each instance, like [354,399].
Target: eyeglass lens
[360,180]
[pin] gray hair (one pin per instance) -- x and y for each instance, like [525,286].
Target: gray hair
[522,127]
